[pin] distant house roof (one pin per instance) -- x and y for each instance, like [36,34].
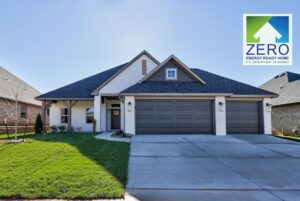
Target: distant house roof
[213,84]
[81,89]
[285,84]
[11,84]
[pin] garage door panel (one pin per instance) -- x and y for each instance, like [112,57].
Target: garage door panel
[174,116]
[243,117]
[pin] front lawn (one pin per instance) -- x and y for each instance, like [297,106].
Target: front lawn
[65,166]
[294,138]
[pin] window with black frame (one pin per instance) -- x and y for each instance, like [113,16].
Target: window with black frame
[23,111]
[64,115]
[89,115]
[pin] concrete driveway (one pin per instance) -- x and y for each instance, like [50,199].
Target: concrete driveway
[208,167]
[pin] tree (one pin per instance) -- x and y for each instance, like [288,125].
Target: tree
[38,127]
[15,93]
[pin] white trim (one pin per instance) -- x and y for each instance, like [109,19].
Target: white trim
[63,115]
[255,96]
[175,94]
[167,73]
[177,98]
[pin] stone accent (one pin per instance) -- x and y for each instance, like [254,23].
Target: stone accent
[6,111]
[286,118]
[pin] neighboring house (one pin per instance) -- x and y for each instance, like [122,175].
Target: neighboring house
[286,107]
[28,108]
[145,96]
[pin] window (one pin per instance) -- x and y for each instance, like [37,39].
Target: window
[89,115]
[64,115]
[23,111]
[171,74]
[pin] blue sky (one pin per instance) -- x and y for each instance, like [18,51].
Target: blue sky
[53,43]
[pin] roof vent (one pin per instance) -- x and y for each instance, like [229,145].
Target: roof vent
[282,74]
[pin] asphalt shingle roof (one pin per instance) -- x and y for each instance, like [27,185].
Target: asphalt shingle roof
[214,84]
[10,84]
[82,89]
[285,84]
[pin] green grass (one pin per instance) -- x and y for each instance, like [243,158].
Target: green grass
[63,166]
[294,138]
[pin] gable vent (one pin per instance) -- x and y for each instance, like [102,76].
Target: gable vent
[144,67]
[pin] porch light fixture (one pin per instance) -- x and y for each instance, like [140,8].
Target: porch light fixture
[129,106]
[268,107]
[221,106]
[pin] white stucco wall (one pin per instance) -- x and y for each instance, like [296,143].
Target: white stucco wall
[78,115]
[97,102]
[130,115]
[130,76]
[122,115]
[267,117]
[103,116]
[220,116]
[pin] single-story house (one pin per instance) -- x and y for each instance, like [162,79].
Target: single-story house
[15,92]
[145,96]
[286,107]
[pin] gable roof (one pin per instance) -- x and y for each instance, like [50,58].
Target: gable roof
[144,52]
[215,84]
[9,84]
[285,84]
[181,64]
[81,89]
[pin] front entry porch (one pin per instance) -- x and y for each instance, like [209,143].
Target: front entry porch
[112,113]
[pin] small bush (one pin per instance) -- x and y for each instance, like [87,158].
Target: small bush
[38,127]
[54,129]
[72,129]
[79,129]
[62,128]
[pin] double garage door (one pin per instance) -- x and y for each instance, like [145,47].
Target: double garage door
[195,117]
[174,117]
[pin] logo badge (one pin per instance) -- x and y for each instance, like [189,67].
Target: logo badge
[267,39]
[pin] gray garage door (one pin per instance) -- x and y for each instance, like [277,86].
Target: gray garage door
[243,117]
[174,117]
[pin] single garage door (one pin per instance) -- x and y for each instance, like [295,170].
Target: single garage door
[174,117]
[243,117]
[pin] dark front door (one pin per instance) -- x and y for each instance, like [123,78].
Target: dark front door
[174,117]
[115,119]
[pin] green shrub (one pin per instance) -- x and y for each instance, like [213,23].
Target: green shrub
[54,129]
[62,128]
[38,127]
